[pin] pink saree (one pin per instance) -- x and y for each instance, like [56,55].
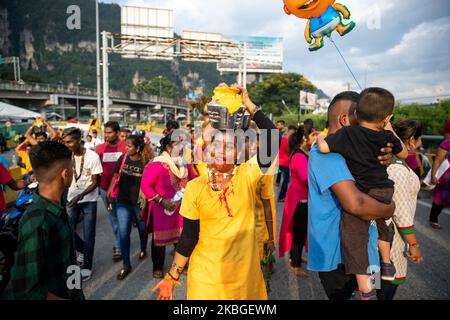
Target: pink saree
[158,179]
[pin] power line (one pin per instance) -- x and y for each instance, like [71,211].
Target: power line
[343,59]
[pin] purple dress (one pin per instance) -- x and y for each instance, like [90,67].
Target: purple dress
[441,194]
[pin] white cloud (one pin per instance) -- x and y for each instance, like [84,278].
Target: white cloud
[409,54]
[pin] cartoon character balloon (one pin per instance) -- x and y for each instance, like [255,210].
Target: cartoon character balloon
[324,16]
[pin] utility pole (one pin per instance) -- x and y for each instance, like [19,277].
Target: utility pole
[99,89]
[105,77]
[240,74]
[14,66]
[160,88]
[78,100]
[244,72]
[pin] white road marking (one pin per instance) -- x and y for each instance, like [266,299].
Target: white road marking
[428,205]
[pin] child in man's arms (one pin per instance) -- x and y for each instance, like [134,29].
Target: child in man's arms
[360,146]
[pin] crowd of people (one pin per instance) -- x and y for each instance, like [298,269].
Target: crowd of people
[349,196]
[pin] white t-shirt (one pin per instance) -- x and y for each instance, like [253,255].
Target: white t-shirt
[89,145]
[92,166]
[96,142]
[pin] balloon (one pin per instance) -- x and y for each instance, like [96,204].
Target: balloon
[324,17]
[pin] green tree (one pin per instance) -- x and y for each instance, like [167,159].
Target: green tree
[431,116]
[158,86]
[277,87]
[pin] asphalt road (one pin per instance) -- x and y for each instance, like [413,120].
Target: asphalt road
[430,280]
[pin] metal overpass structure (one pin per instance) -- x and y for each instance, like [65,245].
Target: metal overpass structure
[42,96]
[166,48]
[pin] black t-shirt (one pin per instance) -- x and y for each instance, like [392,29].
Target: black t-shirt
[361,147]
[130,181]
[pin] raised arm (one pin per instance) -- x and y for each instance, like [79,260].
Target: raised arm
[360,204]
[342,9]
[29,137]
[265,125]
[404,153]
[50,129]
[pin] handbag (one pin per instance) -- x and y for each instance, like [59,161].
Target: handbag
[115,190]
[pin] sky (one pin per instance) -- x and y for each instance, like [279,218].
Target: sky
[402,45]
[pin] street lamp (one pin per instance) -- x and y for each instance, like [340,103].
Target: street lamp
[160,78]
[61,89]
[78,102]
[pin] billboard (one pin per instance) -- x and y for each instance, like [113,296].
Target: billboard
[264,55]
[204,36]
[146,22]
[308,100]
[201,46]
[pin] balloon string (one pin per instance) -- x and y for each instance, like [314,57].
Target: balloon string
[343,59]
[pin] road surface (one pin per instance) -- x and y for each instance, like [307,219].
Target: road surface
[431,280]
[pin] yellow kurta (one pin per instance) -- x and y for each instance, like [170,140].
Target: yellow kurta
[225,264]
[264,191]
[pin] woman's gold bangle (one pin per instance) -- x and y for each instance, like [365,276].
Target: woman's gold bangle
[176,268]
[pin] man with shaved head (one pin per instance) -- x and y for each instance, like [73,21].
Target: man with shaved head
[331,189]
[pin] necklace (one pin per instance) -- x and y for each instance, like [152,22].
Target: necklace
[212,180]
[78,176]
[213,174]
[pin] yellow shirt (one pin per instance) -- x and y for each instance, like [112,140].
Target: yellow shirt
[225,264]
[264,191]
[23,155]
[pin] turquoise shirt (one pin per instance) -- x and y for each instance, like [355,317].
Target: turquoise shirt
[324,214]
